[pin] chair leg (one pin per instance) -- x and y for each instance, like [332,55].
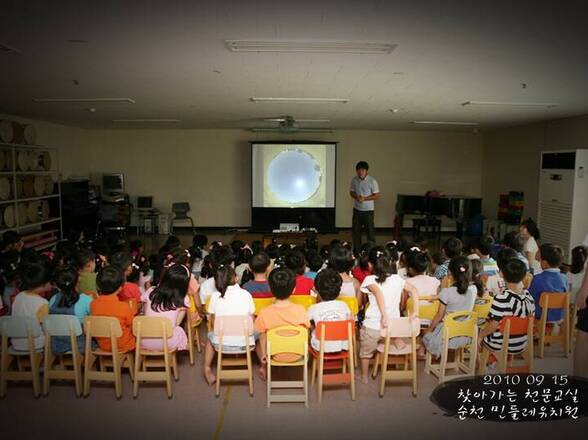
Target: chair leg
[88,358]
[219,366]
[116,368]
[197,338]
[376,363]
[168,373]
[542,330]
[305,380]
[321,365]
[414,372]
[352,375]
[136,378]
[77,367]
[48,361]
[35,361]
[130,364]
[384,359]
[269,382]
[174,366]
[428,363]
[484,355]
[443,364]
[313,372]
[249,372]
[190,333]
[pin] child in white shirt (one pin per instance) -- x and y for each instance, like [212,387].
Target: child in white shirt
[229,299]
[328,285]
[384,289]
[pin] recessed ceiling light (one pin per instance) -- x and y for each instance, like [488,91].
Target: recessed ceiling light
[310,46]
[146,120]
[78,100]
[393,110]
[445,122]
[300,100]
[511,104]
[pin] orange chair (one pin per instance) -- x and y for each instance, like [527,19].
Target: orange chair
[511,326]
[554,301]
[334,331]
[527,280]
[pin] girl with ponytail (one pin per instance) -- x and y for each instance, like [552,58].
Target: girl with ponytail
[459,297]
[229,299]
[384,290]
[169,300]
[68,301]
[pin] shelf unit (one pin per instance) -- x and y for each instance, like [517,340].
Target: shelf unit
[31,231]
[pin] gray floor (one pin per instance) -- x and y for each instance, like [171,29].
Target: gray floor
[194,412]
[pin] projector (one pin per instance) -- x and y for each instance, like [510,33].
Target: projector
[289,227]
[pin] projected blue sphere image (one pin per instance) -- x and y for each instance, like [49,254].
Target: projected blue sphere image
[294,176]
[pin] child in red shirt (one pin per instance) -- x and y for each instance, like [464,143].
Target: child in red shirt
[296,262]
[129,290]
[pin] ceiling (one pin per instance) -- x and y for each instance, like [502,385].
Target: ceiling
[171,59]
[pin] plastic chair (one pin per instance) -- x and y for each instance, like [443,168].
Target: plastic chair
[554,301]
[160,328]
[353,305]
[447,281]
[334,331]
[351,302]
[527,280]
[192,330]
[105,327]
[511,326]
[180,212]
[408,329]
[304,300]
[427,308]
[456,324]
[292,340]
[231,369]
[65,326]
[262,303]
[20,327]
[482,307]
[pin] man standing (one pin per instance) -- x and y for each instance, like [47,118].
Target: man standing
[364,190]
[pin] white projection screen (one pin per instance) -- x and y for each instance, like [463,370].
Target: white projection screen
[293,175]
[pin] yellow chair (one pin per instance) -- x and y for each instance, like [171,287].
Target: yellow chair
[407,329]
[20,327]
[447,281]
[291,340]
[232,368]
[351,302]
[482,308]
[428,308]
[262,303]
[304,300]
[573,323]
[160,328]
[192,328]
[456,324]
[527,280]
[105,327]
[511,326]
[554,301]
[64,326]
[208,318]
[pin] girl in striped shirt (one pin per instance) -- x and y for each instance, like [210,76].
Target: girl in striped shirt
[513,301]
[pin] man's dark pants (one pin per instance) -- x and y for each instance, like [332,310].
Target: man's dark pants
[362,220]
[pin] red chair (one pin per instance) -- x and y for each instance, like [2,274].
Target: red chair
[511,326]
[321,361]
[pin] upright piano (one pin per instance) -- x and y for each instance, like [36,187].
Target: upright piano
[458,208]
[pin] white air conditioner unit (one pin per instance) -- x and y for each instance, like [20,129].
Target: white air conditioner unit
[563,198]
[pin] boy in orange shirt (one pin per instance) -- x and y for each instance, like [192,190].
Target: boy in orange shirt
[283,312]
[109,283]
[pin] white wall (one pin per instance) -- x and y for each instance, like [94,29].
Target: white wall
[511,158]
[211,168]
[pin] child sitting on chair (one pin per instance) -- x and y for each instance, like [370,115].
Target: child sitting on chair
[341,260]
[129,290]
[228,299]
[258,287]
[86,260]
[328,285]
[549,280]
[168,300]
[482,248]
[295,261]
[459,297]
[283,312]
[384,290]
[513,301]
[109,283]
